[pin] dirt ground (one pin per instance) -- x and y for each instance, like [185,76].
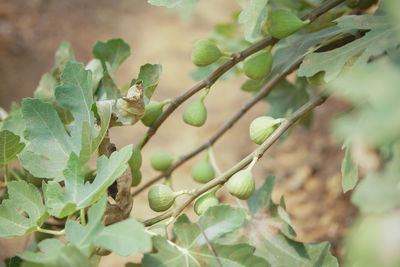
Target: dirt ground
[307,165]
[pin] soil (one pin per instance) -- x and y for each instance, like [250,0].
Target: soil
[307,165]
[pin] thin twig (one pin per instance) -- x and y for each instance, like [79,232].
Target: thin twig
[264,92]
[259,152]
[236,58]
[210,246]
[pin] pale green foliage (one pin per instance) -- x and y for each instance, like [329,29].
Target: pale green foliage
[49,144]
[54,253]
[79,194]
[253,14]
[170,3]
[124,238]
[216,221]
[25,197]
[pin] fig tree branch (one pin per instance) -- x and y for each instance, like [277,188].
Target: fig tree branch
[236,58]
[259,152]
[264,92]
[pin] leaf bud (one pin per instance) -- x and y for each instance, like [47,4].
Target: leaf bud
[131,107]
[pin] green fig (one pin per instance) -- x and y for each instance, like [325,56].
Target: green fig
[203,172]
[136,160]
[262,127]
[205,53]
[205,201]
[161,197]
[136,178]
[317,79]
[242,184]
[161,161]
[153,111]
[252,86]
[258,65]
[282,23]
[195,114]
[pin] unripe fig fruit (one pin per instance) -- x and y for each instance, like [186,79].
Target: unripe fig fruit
[262,127]
[205,53]
[195,114]
[282,23]
[203,172]
[136,160]
[205,201]
[161,161]
[258,65]
[252,86]
[317,79]
[153,111]
[161,197]
[242,184]
[136,178]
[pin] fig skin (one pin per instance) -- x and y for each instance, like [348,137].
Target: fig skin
[258,65]
[205,53]
[136,178]
[153,111]
[195,114]
[204,202]
[242,184]
[261,128]
[161,161]
[161,197]
[282,23]
[135,162]
[203,172]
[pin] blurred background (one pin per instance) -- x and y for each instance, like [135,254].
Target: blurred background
[307,165]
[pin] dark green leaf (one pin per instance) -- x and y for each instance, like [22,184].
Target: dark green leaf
[381,37]
[114,52]
[150,75]
[261,198]
[10,146]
